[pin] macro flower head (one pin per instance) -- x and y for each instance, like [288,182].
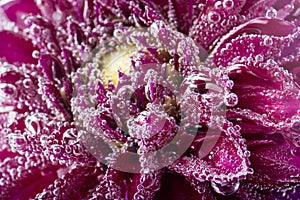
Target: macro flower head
[150,99]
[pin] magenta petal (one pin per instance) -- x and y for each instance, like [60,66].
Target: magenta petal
[14,10]
[54,96]
[257,8]
[282,105]
[14,48]
[215,21]
[176,187]
[32,179]
[262,36]
[263,26]
[75,184]
[144,185]
[53,68]
[282,156]
[186,12]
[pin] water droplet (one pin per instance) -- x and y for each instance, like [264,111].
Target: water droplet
[16,141]
[231,99]
[8,91]
[34,123]
[271,13]
[70,136]
[268,41]
[156,27]
[118,33]
[56,149]
[214,17]
[57,16]
[228,4]
[27,83]
[36,54]
[226,189]
[259,58]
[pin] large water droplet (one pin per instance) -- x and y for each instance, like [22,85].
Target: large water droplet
[227,189]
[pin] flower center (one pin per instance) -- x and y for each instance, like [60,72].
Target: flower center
[114,62]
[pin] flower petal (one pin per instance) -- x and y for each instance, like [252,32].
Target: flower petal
[281,155]
[14,48]
[172,190]
[26,175]
[75,184]
[216,20]
[16,9]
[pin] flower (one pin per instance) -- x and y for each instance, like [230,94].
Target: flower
[148,99]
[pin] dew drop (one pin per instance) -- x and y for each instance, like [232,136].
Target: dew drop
[227,189]
[34,123]
[231,100]
[27,83]
[57,16]
[214,17]
[56,149]
[271,13]
[268,41]
[16,141]
[259,58]
[70,136]
[118,34]
[156,27]
[228,4]
[8,91]
[36,54]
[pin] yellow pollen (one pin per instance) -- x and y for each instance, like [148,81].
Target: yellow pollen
[114,62]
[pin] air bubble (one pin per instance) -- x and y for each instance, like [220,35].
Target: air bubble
[271,13]
[70,136]
[226,189]
[268,41]
[16,141]
[27,83]
[228,4]
[34,123]
[156,27]
[259,58]
[214,17]
[8,91]
[57,16]
[247,153]
[36,54]
[56,149]
[231,100]
[118,34]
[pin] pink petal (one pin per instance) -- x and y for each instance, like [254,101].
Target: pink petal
[18,8]
[14,48]
[176,187]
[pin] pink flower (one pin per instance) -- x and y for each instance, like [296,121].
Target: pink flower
[140,99]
